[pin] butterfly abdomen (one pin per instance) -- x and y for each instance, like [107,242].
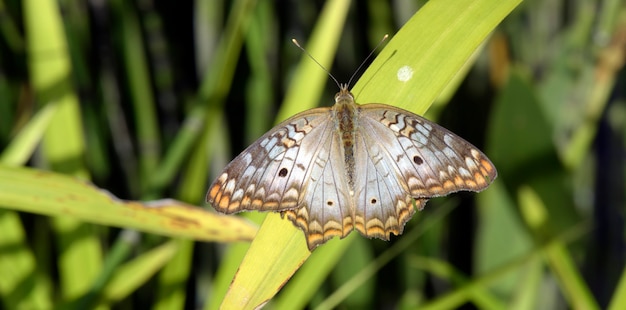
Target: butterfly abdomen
[346,116]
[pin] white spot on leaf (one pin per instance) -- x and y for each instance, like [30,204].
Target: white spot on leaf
[405,73]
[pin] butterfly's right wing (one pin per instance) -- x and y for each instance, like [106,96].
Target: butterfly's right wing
[270,174]
[297,168]
[326,208]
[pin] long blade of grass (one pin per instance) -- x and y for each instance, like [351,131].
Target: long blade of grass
[130,276]
[619,296]
[54,194]
[428,52]
[18,263]
[556,255]
[143,102]
[470,291]
[212,92]
[172,288]
[63,144]
[24,143]
[22,286]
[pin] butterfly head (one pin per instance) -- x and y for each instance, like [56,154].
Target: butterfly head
[344,95]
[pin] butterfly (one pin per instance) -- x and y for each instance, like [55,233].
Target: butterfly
[336,169]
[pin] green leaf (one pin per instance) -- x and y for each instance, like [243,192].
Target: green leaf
[54,194]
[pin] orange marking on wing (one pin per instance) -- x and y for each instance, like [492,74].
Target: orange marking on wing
[376,231]
[348,226]
[471,183]
[224,201]
[302,221]
[449,185]
[487,165]
[331,232]
[270,205]
[314,239]
[245,201]
[257,203]
[435,189]
[234,206]
[480,179]
[214,190]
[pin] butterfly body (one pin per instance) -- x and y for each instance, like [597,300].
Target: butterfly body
[364,167]
[345,115]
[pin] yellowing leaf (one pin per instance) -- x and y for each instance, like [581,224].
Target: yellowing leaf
[55,194]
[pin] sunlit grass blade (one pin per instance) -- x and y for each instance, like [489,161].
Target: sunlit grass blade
[299,290]
[556,255]
[54,194]
[619,295]
[19,263]
[63,145]
[18,266]
[432,46]
[130,276]
[126,278]
[24,143]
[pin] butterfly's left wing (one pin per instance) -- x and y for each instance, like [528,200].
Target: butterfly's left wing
[431,160]
[383,201]
[402,159]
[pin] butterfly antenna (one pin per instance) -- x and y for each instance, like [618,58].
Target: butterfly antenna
[368,57]
[317,62]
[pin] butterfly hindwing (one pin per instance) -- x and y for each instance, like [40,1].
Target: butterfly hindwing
[383,202]
[326,207]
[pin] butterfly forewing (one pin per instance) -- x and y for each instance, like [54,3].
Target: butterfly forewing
[269,174]
[431,160]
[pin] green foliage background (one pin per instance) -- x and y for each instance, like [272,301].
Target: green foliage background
[151,99]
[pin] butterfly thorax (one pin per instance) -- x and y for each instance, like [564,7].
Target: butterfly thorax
[345,113]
